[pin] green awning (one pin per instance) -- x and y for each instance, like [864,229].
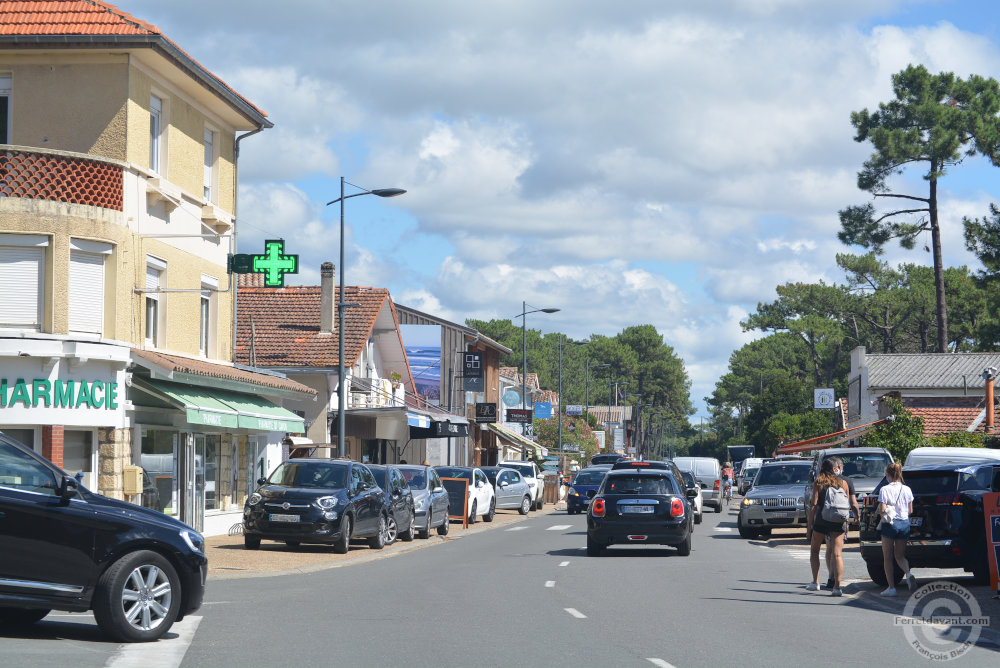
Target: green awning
[516,439]
[222,408]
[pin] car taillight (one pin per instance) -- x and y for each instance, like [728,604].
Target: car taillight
[676,508]
[597,509]
[716,485]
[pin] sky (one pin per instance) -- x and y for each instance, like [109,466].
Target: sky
[640,162]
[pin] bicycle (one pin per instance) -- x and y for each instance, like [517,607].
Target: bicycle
[728,493]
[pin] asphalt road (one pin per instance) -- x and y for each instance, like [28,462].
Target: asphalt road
[524,594]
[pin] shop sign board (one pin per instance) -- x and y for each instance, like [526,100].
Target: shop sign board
[92,395]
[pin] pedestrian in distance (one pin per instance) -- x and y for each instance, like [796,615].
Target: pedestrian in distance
[821,529]
[895,503]
[839,470]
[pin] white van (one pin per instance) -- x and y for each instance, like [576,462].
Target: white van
[930,455]
[708,472]
[744,479]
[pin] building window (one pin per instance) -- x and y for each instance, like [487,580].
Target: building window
[22,280]
[209,164]
[5,91]
[155,269]
[207,308]
[78,456]
[155,131]
[87,285]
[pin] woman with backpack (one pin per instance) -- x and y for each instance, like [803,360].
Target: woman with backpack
[830,507]
[895,503]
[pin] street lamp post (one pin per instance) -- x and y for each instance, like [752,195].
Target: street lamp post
[524,355]
[562,342]
[587,398]
[342,305]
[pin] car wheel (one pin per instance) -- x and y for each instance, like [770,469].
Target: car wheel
[292,543]
[698,517]
[21,616]
[525,505]
[876,571]
[541,502]
[488,517]
[594,548]
[445,526]
[745,532]
[341,545]
[472,515]
[137,598]
[425,533]
[684,549]
[408,534]
[377,542]
[391,531]
[251,543]
[718,506]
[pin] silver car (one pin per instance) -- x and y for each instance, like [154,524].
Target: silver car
[775,500]
[430,499]
[512,489]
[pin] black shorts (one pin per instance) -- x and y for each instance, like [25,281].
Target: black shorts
[829,528]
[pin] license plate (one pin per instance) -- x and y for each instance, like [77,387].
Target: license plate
[916,521]
[638,510]
[284,518]
[780,515]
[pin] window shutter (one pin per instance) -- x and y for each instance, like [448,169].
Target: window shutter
[86,292]
[152,279]
[20,286]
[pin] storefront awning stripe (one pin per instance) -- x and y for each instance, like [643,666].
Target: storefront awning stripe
[222,408]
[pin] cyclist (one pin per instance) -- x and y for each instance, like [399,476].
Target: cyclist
[728,476]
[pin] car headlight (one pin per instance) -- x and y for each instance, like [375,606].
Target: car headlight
[573,492]
[254,499]
[326,502]
[751,502]
[330,514]
[420,504]
[802,501]
[194,540]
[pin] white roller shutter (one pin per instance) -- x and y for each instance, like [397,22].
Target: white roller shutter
[21,282]
[86,292]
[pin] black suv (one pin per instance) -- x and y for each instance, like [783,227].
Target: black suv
[317,501]
[643,505]
[66,548]
[947,527]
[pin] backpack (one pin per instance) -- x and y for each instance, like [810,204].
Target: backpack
[836,506]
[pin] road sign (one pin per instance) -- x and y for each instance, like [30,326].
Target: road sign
[550,466]
[551,458]
[571,447]
[574,409]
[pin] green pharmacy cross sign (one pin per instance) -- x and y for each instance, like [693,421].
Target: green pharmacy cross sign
[273,263]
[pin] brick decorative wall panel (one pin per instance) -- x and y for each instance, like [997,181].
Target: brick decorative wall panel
[60,179]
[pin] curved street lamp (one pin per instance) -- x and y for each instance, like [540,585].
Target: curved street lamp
[524,355]
[342,305]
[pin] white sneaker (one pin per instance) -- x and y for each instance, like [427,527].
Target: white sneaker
[812,586]
[836,592]
[891,591]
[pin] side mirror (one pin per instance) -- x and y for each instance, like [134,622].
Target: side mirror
[479,484]
[812,475]
[504,483]
[692,493]
[437,489]
[261,481]
[67,488]
[363,487]
[591,493]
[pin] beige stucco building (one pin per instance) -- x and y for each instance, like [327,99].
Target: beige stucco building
[117,219]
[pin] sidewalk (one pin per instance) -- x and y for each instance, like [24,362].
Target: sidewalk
[228,559]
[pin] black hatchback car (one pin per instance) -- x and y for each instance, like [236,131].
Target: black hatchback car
[399,499]
[645,505]
[63,547]
[947,527]
[317,501]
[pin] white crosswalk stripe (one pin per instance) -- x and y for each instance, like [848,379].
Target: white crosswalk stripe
[515,528]
[559,527]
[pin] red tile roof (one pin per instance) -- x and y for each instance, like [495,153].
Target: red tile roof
[90,18]
[196,367]
[286,322]
[947,420]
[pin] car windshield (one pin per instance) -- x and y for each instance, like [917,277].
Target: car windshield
[308,474]
[379,476]
[638,484]
[453,472]
[871,465]
[782,475]
[491,474]
[750,473]
[417,479]
[944,482]
[589,477]
[524,469]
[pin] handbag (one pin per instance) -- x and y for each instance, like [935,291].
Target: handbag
[889,511]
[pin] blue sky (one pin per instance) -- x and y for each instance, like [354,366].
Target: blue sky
[655,162]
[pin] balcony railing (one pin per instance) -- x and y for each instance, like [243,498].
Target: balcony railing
[59,176]
[374,393]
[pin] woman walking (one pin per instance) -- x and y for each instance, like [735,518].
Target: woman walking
[820,530]
[895,503]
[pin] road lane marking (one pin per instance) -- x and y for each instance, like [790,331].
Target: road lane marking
[576,613]
[559,527]
[550,583]
[661,663]
[565,563]
[515,528]
[724,529]
[159,654]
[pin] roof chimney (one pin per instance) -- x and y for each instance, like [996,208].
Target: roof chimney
[989,375]
[327,298]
